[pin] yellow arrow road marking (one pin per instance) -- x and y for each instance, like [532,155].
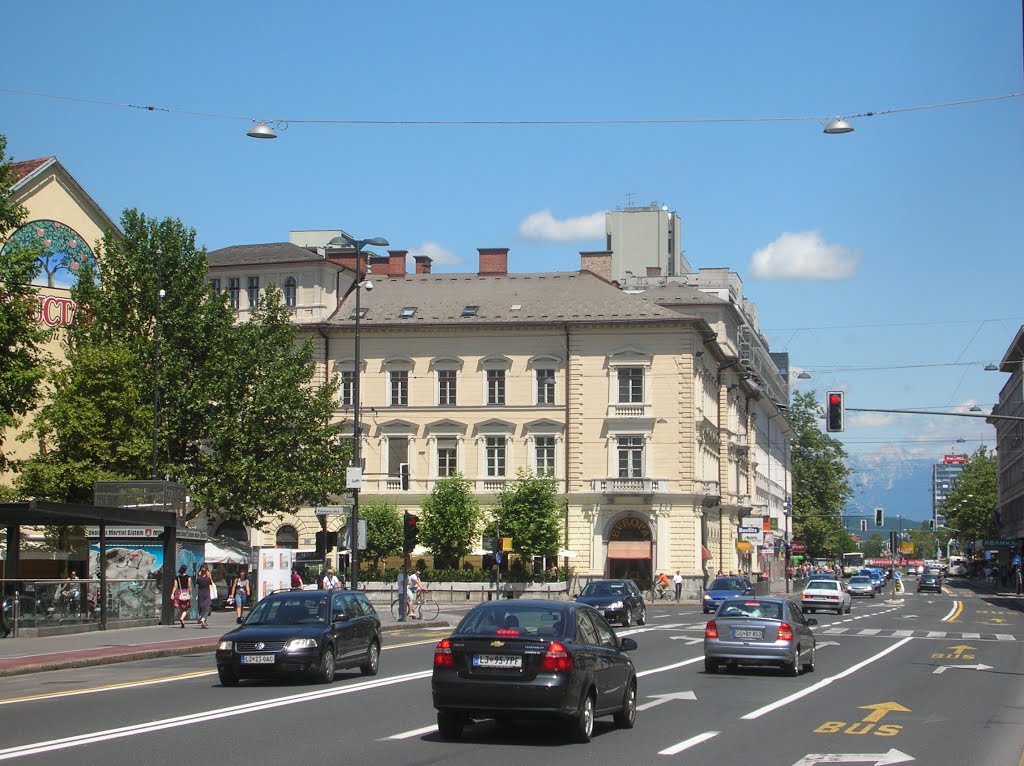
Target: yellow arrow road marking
[881,709]
[960,649]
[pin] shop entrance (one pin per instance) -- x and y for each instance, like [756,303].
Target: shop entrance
[630,551]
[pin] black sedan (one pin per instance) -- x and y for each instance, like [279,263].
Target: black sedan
[526,659]
[306,632]
[618,600]
[928,581]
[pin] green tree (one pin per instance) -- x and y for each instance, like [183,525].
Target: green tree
[25,363]
[970,507]
[450,519]
[384,531]
[529,512]
[821,485]
[874,546]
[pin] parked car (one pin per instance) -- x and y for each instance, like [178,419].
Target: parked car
[759,631]
[527,659]
[722,588]
[929,581]
[305,632]
[860,585]
[822,595]
[618,600]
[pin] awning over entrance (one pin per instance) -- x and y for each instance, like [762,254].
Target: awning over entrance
[629,549]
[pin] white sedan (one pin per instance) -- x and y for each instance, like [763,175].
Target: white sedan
[825,595]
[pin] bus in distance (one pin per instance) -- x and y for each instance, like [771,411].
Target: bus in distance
[852,563]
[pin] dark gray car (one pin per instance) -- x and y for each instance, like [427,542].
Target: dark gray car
[759,631]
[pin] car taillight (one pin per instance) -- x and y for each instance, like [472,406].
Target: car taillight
[557,659]
[508,632]
[711,629]
[785,632]
[804,596]
[443,654]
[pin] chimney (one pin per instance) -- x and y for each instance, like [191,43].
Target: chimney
[597,262]
[422,263]
[493,261]
[396,262]
[377,264]
[654,271]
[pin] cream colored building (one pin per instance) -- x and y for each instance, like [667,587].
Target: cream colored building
[642,413]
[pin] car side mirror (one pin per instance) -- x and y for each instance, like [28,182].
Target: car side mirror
[811,621]
[341,617]
[627,644]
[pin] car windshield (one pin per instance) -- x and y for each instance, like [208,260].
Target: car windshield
[295,610]
[728,583]
[771,610]
[605,589]
[822,585]
[860,580]
[513,621]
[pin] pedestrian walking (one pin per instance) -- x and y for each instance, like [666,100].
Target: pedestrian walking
[296,579]
[240,591]
[330,581]
[205,591]
[677,580]
[182,593]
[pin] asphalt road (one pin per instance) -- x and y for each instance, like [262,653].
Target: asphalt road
[936,679]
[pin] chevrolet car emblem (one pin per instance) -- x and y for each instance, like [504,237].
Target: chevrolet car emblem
[260,645]
[497,643]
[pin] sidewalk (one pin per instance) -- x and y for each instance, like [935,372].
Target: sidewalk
[36,655]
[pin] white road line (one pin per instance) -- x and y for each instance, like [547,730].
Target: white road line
[1005,637]
[936,634]
[951,612]
[869,632]
[835,631]
[688,743]
[970,635]
[902,633]
[824,682]
[414,733]
[200,717]
[673,666]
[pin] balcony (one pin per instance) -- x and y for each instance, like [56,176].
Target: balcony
[495,484]
[740,442]
[629,410]
[615,486]
[712,491]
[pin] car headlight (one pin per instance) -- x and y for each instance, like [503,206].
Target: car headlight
[707,597]
[300,643]
[224,646]
[614,605]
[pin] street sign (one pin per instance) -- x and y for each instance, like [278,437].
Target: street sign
[354,478]
[332,510]
[798,546]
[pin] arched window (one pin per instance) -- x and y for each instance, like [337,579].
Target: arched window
[289,292]
[233,529]
[287,537]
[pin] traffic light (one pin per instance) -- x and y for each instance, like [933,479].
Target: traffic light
[931,525]
[411,531]
[324,543]
[835,412]
[879,517]
[403,472]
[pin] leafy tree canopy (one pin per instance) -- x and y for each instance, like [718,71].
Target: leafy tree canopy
[450,519]
[529,512]
[384,531]
[970,509]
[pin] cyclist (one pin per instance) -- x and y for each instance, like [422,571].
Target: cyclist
[417,594]
[661,583]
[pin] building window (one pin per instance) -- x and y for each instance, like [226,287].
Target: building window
[545,452]
[289,292]
[447,457]
[348,387]
[399,388]
[253,291]
[446,387]
[408,312]
[545,386]
[287,537]
[496,387]
[631,457]
[470,311]
[398,455]
[234,287]
[215,285]
[631,385]
[495,448]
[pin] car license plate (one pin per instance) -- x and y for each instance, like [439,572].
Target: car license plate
[746,634]
[257,659]
[497,661]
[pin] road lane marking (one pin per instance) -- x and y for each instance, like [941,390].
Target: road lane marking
[954,614]
[970,635]
[869,632]
[1005,637]
[65,743]
[902,633]
[879,759]
[673,666]
[661,699]
[688,743]
[414,732]
[107,687]
[824,682]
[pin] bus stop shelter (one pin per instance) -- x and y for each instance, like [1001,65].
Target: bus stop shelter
[39,513]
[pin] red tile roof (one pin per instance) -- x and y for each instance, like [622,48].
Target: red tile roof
[27,167]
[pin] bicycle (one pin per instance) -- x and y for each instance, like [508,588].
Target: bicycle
[428,609]
[655,594]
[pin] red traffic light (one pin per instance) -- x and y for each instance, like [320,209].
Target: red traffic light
[834,412]
[835,399]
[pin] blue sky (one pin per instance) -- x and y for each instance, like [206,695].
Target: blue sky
[885,261]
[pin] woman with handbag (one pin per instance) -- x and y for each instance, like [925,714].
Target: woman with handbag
[182,593]
[240,592]
[207,592]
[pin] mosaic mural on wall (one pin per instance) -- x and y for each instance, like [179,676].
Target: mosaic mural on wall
[63,249]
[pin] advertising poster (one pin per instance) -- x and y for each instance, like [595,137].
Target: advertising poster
[274,570]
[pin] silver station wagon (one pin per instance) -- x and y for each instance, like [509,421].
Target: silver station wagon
[759,631]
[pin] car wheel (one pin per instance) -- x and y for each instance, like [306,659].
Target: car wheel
[626,718]
[809,664]
[626,617]
[372,664]
[227,675]
[849,606]
[872,595]
[325,673]
[583,724]
[643,616]
[450,725]
[793,668]
[710,666]
[707,611]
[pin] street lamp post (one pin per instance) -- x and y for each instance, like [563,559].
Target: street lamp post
[160,293]
[357,427]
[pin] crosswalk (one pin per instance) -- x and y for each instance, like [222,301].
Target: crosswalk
[934,634]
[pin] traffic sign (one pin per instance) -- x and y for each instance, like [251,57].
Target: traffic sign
[798,546]
[332,510]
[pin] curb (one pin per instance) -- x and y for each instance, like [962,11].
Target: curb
[167,651]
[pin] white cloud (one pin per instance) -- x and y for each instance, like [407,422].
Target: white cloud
[803,255]
[544,226]
[438,255]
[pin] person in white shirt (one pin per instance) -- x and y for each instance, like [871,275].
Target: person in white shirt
[330,581]
[417,591]
[677,580]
